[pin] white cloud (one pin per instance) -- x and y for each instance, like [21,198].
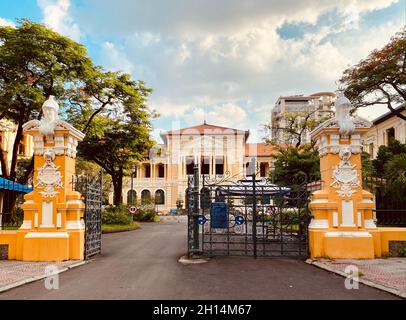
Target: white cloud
[114,58]
[226,114]
[57,16]
[228,55]
[6,23]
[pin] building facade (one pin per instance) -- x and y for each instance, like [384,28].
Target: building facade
[216,151]
[8,132]
[384,128]
[318,106]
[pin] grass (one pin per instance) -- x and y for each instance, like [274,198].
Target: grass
[10,227]
[107,228]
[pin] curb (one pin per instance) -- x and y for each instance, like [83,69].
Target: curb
[185,260]
[122,230]
[369,283]
[40,277]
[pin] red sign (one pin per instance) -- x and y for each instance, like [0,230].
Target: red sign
[132,209]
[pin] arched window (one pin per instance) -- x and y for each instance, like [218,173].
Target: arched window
[131,197]
[159,197]
[145,196]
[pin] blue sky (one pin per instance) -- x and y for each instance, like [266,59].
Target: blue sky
[224,61]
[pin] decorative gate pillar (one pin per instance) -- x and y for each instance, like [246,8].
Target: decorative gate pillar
[343,224]
[53,228]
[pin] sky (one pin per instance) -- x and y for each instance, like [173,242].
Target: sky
[225,61]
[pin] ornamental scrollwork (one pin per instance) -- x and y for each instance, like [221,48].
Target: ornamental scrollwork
[49,177]
[345,175]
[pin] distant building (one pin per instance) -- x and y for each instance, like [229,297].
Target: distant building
[318,105]
[8,131]
[384,128]
[217,152]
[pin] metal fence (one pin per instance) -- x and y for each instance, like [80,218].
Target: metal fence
[390,201]
[91,189]
[250,217]
[9,221]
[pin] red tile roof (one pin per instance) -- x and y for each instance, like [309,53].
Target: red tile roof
[259,149]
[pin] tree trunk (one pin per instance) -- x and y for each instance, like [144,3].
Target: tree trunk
[19,135]
[29,172]
[9,202]
[118,187]
[3,163]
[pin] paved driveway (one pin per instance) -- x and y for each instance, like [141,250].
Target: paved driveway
[142,264]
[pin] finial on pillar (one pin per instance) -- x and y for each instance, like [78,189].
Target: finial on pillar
[343,117]
[50,110]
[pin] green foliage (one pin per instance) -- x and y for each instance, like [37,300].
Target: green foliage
[116,138]
[109,107]
[22,166]
[91,169]
[146,212]
[402,252]
[292,163]
[116,215]
[390,166]
[108,228]
[296,125]
[385,155]
[367,167]
[36,62]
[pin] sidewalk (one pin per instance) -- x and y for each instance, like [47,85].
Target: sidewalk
[173,218]
[385,274]
[16,273]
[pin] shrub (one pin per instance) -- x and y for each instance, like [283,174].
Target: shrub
[116,215]
[402,252]
[145,213]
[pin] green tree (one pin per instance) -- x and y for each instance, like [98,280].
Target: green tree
[390,168]
[295,163]
[35,62]
[380,79]
[119,133]
[296,126]
[367,167]
[91,169]
[386,154]
[395,176]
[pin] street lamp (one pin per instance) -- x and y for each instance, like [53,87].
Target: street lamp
[133,171]
[272,169]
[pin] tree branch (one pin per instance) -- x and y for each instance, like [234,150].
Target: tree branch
[389,105]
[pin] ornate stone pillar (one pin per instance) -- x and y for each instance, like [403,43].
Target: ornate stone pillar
[53,228]
[342,224]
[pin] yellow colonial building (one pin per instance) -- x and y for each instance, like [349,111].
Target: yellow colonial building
[386,127]
[8,132]
[216,150]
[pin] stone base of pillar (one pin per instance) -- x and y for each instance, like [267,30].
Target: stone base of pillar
[365,244]
[26,245]
[46,246]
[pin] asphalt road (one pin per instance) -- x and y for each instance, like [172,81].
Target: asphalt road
[143,264]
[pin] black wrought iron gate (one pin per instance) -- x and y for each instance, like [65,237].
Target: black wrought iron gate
[91,189]
[250,217]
